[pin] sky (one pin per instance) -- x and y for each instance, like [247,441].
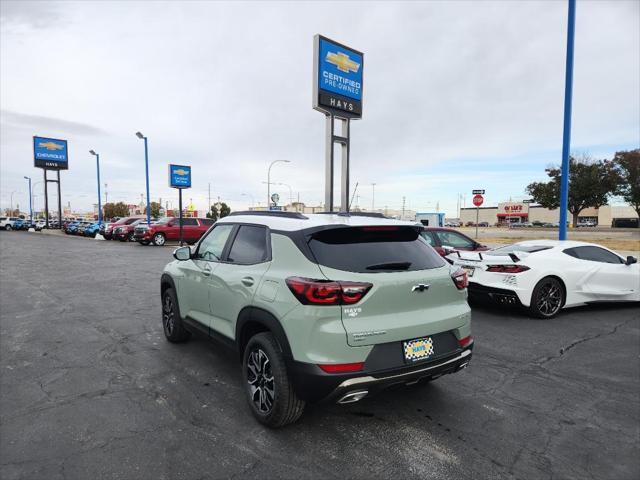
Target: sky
[457,96]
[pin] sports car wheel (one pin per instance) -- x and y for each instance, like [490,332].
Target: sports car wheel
[548,298]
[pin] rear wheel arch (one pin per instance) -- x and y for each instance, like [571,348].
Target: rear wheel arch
[252,320]
[556,277]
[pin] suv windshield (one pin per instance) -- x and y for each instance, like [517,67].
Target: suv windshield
[374,249]
[517,247]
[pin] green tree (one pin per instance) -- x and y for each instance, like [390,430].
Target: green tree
[627,167]
[591,183]
[224,209]
[213,213]
[155,209]
[112,210]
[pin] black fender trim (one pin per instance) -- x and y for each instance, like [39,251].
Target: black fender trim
[262,317]
[166,279]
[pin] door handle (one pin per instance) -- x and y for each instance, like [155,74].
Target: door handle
[206,270]
[247,281]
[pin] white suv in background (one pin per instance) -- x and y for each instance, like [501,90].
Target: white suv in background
[6,223]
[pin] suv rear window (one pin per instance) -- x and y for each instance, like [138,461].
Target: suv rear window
[374,249]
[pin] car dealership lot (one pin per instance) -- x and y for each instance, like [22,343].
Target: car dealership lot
[89,387]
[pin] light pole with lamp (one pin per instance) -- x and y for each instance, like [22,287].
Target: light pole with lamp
[30,200]
[285,185]
[146,170]
[92,152]
[269,181]
[373,196]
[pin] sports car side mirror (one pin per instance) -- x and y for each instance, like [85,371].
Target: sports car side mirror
[182,253]
[631,260]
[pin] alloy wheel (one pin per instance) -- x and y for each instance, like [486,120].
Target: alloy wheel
[260,380]
[168,315]
[158,239]
[550,298]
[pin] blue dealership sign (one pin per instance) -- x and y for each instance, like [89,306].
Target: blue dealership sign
[50,153]
[179,176]
[338,78]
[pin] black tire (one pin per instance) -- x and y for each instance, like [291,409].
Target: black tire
[263,364]
[131,237]
[122,239]
[548,298]
[7,227]
[159,239]
[172,326]
[143,242]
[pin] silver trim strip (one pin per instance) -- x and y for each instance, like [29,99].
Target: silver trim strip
[356,381]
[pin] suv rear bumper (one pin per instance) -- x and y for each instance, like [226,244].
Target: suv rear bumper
[313,385]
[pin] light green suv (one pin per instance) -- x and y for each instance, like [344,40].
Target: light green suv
[324,307]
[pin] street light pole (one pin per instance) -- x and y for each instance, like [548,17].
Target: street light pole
[373,196]
[269,181]
[30,200]
[146,171]
[11,213]
[99,196]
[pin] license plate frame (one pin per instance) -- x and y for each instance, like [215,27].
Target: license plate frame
[418,349]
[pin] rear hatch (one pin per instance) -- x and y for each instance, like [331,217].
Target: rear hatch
[412,293]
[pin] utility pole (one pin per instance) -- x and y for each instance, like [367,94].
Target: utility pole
[209,204]
[373,197]
[404,199]
[106,194]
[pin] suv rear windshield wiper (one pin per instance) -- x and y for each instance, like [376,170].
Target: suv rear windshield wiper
[390,266]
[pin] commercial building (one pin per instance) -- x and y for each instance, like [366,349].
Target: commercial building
[518,212]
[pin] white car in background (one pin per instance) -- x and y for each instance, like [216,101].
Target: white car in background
[6,223]
[548,275]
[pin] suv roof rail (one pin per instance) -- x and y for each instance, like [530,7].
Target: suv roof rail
[270,213]
[354,214]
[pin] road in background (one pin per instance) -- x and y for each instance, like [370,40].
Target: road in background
[91,389]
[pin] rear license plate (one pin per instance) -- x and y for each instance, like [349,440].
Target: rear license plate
[418,349]
[469,270]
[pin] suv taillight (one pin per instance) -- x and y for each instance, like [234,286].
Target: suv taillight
[460,279]
[326,292]
[507,268]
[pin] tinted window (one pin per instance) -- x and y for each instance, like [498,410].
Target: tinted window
[593,254]
[374,249]
[249,246]
[129,221]
[211,246]
[429,238]
[453,239]
[188,221]
[206,221]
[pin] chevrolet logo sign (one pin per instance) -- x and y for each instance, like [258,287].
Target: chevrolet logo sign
[180,171]
[342,62]
[51,145]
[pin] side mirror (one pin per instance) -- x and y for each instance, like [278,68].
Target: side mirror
[631,260]
[182,253]
[447,249]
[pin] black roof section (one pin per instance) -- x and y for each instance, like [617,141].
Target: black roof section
[354,214]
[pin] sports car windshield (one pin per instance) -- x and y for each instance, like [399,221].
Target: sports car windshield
[518,247]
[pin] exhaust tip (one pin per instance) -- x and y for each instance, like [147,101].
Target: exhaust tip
[353,397]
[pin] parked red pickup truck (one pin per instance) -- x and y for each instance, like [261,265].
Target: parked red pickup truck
[444,240]
[169,229]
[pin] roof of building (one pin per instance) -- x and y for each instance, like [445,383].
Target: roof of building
[300,222]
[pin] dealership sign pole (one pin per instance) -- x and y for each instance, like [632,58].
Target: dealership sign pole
[51,154]
[337,92]
[566,134]
[478,200]
[180,178]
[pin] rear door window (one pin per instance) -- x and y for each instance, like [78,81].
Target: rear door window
[453,239]
[593,254]
[374,249]
[430,238]
[189,222]
[250,245]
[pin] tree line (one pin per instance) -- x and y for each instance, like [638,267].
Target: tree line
[592,183]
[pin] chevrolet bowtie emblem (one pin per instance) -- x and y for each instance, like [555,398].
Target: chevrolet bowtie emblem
[421,287]
[50,145]
[342,62]
[180,171]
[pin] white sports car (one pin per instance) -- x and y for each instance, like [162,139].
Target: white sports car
[548,275]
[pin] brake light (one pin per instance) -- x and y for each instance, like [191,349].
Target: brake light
[465,342]
[342,367]
[460,279]
[326,292]
[507,268]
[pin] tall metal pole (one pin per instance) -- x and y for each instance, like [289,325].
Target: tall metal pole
[477,220]
[146,171]
[59,203]
[46,199]
[99,196]
[180,214]
[30,200]
[566,135]
[209,205]
[269,181]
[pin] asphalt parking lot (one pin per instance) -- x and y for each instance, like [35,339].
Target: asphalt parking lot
[90,389]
